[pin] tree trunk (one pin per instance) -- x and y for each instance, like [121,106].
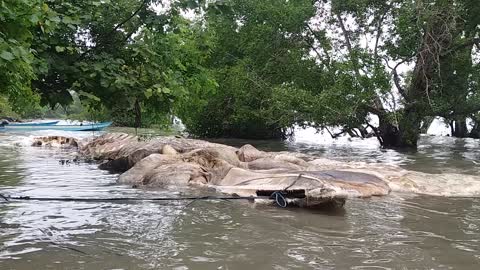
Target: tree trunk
[460,128]
[138,115]
[409,127]
[475,133]
[387,133]
[405,135]
[435,41]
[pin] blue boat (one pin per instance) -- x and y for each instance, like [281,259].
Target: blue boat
[85,127]
[50,123]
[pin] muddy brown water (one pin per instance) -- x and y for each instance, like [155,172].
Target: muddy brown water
[401,231]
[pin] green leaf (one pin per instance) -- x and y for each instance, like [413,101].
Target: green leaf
[180,65]
[59,49]
[45,7]
[104,83]
[148,93]
[68,20]
[54,19]
[34,19]
[88,95]
[7,56]
[98,66]
[166,90]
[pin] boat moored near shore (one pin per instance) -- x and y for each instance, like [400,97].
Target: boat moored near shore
[35,124]
[35,127]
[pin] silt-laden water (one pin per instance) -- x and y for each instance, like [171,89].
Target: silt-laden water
[400,231]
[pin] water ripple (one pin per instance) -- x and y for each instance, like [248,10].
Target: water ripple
[394,232]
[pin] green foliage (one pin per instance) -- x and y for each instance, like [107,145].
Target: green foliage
[19,19]
[243,68]
[6,109]
[284,63]
[119,54]
[235,110]
[258,47]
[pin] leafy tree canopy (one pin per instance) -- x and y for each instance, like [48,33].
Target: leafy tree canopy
[248,68]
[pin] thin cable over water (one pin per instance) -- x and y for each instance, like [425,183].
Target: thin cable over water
[72,199]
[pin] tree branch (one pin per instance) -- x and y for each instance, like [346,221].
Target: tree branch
[315,49]
[453,112]
[377,101]
[471,42]
[336,135]
[144,2]
[396,80]
[379,33]
[348,44]
[374,110]
[375,131]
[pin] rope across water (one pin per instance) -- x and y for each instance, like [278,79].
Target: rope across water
[278,197]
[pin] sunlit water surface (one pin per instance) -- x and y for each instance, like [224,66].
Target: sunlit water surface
[394,232]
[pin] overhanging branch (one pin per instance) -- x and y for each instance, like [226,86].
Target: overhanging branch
[471,42]
[142,5]
[315,49]
[396,79]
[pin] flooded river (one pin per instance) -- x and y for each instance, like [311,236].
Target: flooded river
[400,231]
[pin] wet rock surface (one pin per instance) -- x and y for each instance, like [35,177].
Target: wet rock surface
[55,141]
[168,162]
[178,162]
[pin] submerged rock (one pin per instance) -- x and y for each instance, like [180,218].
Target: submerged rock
[55,141]
[248,153]
[168,150]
